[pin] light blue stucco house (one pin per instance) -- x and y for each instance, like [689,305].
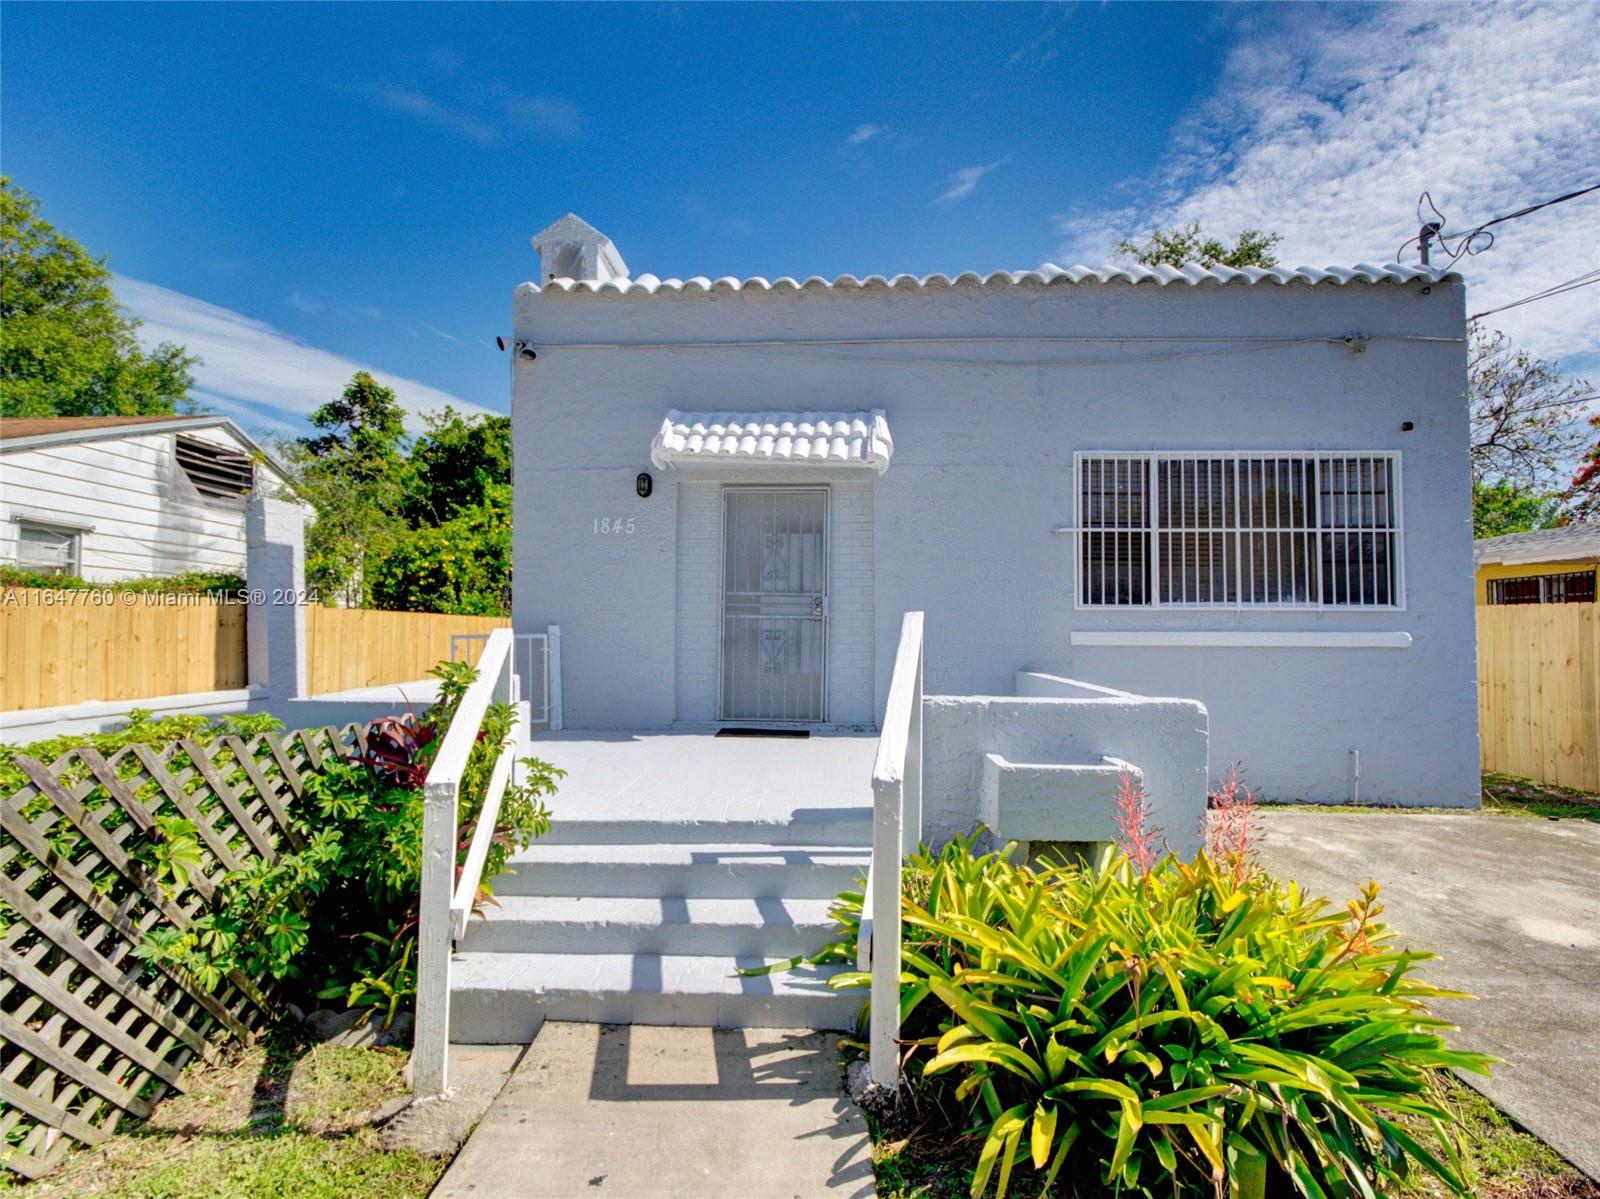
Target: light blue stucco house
[1235,501]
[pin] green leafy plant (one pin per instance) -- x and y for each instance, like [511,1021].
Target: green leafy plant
[1186,1029]
[343,908]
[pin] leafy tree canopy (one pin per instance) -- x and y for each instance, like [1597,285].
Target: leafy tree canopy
[1185,244]
[365,429]
[355,474]
[455,462]
[420,526]
[66,349]
[1500,507]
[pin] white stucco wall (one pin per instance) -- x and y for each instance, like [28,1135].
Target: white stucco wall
[983,472]
[138,513]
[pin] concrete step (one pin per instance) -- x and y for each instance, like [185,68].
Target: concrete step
[707,871]
[588,924]
[809,827]
[502,998]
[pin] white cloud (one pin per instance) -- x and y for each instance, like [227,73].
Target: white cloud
[1326,126]
[307,304]
[551,116]
[964,182]
[501,112]
[261,376]
[425,108]
[862,134]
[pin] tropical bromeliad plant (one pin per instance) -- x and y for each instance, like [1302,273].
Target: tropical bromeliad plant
[1168,1027]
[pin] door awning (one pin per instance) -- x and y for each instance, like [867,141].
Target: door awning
[833,439]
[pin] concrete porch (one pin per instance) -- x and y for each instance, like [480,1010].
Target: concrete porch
[675,858]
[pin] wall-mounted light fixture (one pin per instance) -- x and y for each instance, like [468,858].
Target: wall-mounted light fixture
[524,349]
[644,484]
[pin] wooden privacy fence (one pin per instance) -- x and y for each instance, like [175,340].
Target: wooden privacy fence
[358,647]
[1539,692]
[64,647]
[89,1031]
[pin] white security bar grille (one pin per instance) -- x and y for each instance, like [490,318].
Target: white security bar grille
[1283,530]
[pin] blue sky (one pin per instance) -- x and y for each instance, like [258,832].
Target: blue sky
[293,191]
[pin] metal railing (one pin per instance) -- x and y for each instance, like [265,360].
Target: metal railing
[446,901]
[536,669]
[896,832]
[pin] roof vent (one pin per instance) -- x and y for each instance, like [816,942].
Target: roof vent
[574,249]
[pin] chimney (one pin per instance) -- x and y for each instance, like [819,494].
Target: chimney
[574,249]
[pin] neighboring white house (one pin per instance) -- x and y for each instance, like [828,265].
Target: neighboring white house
[121,497]
[1248,487]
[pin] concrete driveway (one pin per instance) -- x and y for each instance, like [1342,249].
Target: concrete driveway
[1512,906]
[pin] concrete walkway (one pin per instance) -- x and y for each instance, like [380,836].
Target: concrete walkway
[630,1111]
[1512,906]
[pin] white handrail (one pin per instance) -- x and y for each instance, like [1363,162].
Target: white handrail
[482,836]
[896,831]
[436,920]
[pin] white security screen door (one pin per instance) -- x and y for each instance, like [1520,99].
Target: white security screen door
[775,603]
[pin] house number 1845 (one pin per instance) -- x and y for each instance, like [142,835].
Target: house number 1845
[613,525]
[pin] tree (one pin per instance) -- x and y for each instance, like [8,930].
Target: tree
[355,475]
[1500,507]
[454,464]
[1527,418]
[1583,495]
[66,349]
[462,565]
[1184,244]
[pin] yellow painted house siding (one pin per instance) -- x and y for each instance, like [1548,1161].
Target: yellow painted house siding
[1522,570]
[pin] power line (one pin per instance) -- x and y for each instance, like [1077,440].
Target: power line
[1556,289]
[1477,239]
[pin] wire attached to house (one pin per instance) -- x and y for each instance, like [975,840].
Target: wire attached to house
[1477,239]
[1557,289]
[845,347]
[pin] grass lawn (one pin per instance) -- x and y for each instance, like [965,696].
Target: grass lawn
[1504,1162]
[1502,793]
[284,1118]
[1523,797]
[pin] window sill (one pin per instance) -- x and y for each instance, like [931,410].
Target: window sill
[1239,639]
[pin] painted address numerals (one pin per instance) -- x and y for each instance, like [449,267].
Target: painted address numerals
[613,526]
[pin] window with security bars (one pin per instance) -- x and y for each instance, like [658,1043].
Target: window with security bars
[1239,530]
[1569,587]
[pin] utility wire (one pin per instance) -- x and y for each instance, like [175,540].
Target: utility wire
[1468,243]
[1557,289]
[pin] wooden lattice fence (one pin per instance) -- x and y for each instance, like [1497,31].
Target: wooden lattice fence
[89,1031]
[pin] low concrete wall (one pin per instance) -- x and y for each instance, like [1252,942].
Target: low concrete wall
[337,708]
[1167,739]
[101,716]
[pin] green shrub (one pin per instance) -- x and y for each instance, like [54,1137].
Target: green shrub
[340,912]
[1175,1031]
[189,583]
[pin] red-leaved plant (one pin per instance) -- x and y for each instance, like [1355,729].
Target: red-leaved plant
[1231,835]
[1137,836]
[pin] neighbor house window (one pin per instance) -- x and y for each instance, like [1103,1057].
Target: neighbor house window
[1239,530]
[1570,587]
[216,472]
[47,549]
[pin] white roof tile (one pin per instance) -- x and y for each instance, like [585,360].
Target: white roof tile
[1048,275]
[850,439]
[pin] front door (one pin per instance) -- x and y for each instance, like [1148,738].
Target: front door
[774,604]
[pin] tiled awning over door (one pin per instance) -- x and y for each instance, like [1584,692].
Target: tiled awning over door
[832,439]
